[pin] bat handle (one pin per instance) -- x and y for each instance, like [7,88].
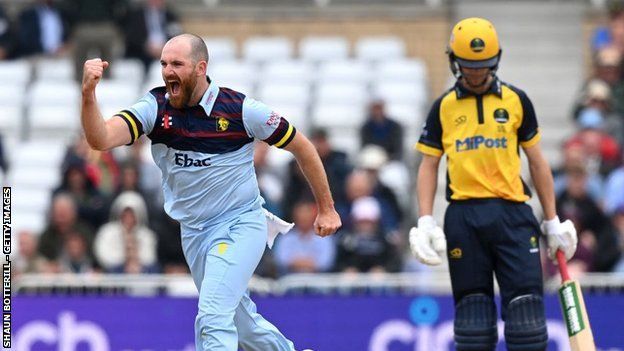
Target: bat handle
[563,266]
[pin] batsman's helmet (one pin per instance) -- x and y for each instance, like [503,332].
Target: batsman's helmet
[474,44]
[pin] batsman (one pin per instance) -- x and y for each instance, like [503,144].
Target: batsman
[480,124]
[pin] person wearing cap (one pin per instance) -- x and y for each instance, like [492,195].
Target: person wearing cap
[365,247]
[480,124]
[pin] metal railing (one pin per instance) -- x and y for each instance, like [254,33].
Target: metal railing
[435,283]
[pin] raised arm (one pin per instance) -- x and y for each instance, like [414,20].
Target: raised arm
[327,220]
[100,134]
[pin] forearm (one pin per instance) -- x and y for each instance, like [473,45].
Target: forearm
[543,181]
[312,168]
[93,124]
[426,186]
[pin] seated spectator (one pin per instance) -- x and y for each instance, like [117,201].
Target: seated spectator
[602,149]
[301,250]
[95,29]
[608,68]
[613,33]
[42,30]
[618,222]
[147,29]
[74,257]
[126,244]
[336,166]
[4,165]
[365,248]
[381,130]
[614,190]
[28,260]
[92,205]
[6,36]
[597,248]
[169,243]
[373,159]
[575,155]
[101,166]
[63,222]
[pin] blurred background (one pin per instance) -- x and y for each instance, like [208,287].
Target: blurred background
[97,264]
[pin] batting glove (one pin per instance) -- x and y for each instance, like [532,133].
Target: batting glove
[560,236]
[427,241]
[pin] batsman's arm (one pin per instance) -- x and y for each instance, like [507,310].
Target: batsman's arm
[100,134]
[427,184]
[543,180]
[328,221]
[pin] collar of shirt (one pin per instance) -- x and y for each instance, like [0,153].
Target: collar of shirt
[462,92]
[210,96]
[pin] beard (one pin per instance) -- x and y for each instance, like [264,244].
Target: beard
[181,91]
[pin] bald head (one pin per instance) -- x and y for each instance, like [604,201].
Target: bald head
[198,49]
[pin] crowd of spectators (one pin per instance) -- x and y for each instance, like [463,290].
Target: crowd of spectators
[589,184]
[87,28]
[106,215]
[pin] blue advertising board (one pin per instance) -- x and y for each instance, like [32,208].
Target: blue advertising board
[321,323]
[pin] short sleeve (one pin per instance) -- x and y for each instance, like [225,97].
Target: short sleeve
[528,132]
[141,116]
[430,142]
[261,122]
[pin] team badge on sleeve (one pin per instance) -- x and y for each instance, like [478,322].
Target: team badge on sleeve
[274,119]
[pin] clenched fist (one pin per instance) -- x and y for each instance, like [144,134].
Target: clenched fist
[92,73]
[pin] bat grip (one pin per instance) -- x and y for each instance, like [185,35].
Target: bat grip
[563,266]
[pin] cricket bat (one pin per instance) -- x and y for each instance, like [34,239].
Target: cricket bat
[574,311]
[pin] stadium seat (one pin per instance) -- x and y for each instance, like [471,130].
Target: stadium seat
[409,115]
[401,70]
[117,94]
[404,93]
[346,140]
[288,71]
[32,178]
[344,71]
[16,72]
[32,221]
[154,72]
[341,93]
[54,69]
[266,49]
[296,93]
[295,114]
[54,121]
[30,200]
[50,93]
[379,48]
[11,118]
[323,48]
[130,70]
[220,49]
[237,71]
[42,153]
[338,116]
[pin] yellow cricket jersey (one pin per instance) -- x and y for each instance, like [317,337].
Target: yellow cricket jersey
[481,135]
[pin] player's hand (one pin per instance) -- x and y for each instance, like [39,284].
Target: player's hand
[427,241]
[92,73]
[327,222]
[560,236]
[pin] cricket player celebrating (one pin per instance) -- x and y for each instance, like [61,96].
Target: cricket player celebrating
[202,140]
[480,124]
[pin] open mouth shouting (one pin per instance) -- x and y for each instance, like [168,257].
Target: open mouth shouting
[174,88]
